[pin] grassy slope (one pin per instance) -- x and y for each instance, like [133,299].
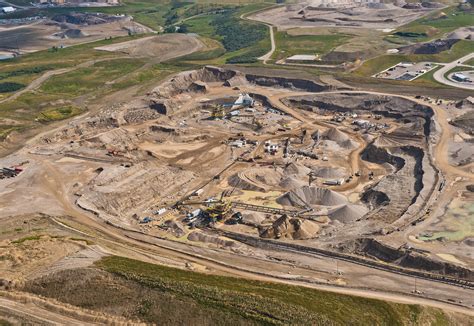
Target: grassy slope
[288,45]
[269,303]
[433,27]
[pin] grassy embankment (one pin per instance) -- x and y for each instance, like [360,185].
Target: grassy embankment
[170,296]
[432,26]
[267,303]
[288,45]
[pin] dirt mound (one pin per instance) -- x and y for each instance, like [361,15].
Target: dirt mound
[175,228]
[433,47]
[464,33]
[467,103]
[336,135]
[71,33]
[291,183]
[78,18]
[205,238]
[311,196]
[465,122]
[339,137]
[328,172]
[255,179]
[290,228]
[296,169]
[253,219]
[347,213]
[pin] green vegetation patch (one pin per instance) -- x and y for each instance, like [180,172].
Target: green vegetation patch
[435,25]
[154,73]
[241,41]
[54,114]
[29,238]
[8,87]
[267,303]
[288,45]
[84,80]
[236,35]
[24,71]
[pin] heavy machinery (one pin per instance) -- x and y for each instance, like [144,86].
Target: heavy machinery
[218,112]
[218,211]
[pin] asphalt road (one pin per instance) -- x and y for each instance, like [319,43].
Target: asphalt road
[439,75]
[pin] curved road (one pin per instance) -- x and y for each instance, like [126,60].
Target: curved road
[439,75]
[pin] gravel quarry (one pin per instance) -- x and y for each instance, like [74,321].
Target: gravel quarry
[302,175]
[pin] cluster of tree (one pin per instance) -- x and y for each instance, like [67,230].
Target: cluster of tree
[8,87]
[24,71]
[176,29]
[235,35]
[172,15]
[248,57]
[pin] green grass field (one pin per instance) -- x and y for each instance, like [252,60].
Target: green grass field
[288,45]
[431,26]
[85,80]
[267,303]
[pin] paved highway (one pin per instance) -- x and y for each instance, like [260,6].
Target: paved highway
[439,75]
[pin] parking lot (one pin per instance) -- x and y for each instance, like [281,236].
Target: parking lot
[406,71]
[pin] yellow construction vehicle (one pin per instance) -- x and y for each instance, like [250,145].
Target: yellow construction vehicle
[218,211]
[218,112]
[258,123]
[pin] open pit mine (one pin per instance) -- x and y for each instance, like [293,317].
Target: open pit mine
[293,179]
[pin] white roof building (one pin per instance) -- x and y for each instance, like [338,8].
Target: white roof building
[302,57]
[7,10]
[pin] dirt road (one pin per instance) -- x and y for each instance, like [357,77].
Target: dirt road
[36,314]
[269,54]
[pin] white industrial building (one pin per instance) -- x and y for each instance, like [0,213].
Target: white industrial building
[7,10]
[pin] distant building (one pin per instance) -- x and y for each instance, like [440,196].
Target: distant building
[461,78]
[7,10]
[302,58]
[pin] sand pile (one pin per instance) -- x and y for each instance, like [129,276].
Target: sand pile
[296,169]
[253,219]
[290,228]
[311,196]
[336,135]
[175,228]
[347,213]
[328,172]
[255,179]
[339,137]
[291,183]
